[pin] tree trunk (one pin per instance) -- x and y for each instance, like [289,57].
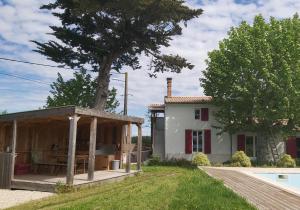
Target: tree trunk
[103,85]
[262,148]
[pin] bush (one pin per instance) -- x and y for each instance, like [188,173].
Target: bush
[154,160]
[286,161]
[240,159]
[200,159]
[217,164]
[63,188]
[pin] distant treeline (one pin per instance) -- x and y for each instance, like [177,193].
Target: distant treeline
[146,140]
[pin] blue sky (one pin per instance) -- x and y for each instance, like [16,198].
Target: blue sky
[22,21]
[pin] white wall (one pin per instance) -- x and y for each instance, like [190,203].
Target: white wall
[178,118]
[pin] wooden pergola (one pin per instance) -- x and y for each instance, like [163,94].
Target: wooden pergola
[73,114]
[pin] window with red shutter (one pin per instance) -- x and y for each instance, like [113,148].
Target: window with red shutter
[188,141]
[204,114]
[241,142]
[197,114]
[207,141]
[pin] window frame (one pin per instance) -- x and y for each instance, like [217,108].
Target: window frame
[197,110]
[202,140]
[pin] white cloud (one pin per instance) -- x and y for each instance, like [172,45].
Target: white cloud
[21,21]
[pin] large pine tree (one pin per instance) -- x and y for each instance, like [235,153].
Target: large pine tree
[109,34]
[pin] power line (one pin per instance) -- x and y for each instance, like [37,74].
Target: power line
[33,80]
[24,78]
[38,64]
[48,65]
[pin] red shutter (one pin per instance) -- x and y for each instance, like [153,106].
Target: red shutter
[204,114]
[291,147]
[207,141]
[188,141]
[241,142]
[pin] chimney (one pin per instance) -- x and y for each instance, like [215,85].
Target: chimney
[169,85]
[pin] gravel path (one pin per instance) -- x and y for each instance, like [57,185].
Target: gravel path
[9,198]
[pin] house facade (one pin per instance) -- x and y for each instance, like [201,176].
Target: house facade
[184,125]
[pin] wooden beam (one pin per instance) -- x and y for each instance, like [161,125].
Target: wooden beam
[92,150]
[13,149]
[107,115]
[128,141]
[139,148]
[43,113]
[72,149]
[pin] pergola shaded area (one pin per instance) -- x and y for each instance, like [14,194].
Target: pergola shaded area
[60,143]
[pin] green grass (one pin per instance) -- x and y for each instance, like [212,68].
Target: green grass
[158,187]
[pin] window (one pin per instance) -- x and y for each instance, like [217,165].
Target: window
[202,114]
[250,143]
[197,114]
[197,141]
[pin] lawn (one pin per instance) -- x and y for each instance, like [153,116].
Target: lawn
[157,187]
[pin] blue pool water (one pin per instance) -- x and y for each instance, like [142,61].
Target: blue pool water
[290,180]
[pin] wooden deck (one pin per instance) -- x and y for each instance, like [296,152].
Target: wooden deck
[259,193]
[48,183]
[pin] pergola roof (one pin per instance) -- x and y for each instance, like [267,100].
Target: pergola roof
[68,111]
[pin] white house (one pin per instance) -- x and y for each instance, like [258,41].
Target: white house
[184,125]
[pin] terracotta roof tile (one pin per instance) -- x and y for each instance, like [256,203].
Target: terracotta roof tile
[187,99]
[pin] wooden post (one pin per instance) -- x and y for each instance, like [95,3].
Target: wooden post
[13,149]
[128,160]
[93,136]
[122,145]
[139,147]
[72,149]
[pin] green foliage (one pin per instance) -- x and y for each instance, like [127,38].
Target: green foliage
[200,159]
[286,161]
[180,162]
[108,35]
[254,76]
[240,159]
[154,160]
[79,91]
[146,140]
[63,188]
[218,164]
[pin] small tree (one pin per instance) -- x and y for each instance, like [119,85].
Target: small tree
[107,35]
[79,91]
[254,79]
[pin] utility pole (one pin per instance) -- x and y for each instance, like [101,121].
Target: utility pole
[126,93]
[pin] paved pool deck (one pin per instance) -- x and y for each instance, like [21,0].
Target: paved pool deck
[257,191]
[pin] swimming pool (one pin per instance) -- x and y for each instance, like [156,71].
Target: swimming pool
[285,179]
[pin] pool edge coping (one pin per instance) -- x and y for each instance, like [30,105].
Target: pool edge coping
[282,187]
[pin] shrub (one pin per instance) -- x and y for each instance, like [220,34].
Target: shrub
[286,161]
[217,164]
[240,159]
[200,159]
[63,188]
[154,160]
